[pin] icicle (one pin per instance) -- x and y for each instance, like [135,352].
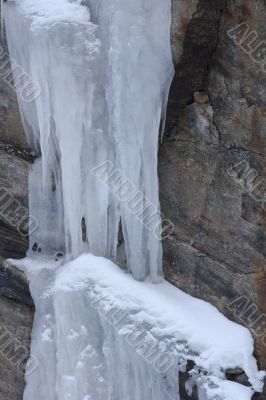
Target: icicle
[105,72]
[2,21]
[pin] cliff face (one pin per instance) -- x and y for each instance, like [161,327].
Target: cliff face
[16,308]
[212,169]
[16,315]
[212,162]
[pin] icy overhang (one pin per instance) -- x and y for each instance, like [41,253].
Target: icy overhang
[156,329]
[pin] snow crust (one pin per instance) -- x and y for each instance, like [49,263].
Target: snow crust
[51,11]
[230,390]
[188,328]
[104,69]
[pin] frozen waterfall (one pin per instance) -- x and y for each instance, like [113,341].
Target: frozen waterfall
[101,335]
[104,68]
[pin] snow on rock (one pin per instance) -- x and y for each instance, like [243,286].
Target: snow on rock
[129,334]
[229,390]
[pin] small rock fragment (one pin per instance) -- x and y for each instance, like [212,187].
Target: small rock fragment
[201,97]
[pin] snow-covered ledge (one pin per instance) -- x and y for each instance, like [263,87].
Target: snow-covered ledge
[100,334]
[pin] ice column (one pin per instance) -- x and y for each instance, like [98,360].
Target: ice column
[104,68]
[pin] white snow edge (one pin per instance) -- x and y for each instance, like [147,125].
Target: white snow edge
[220,343]
[45,12]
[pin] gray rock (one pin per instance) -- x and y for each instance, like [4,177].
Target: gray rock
[217,251]
[15,328]
[11,129]
[13,201]
[14,285]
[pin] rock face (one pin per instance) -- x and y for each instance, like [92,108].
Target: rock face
[16,308]
[213,161]
[11,130]
[13,195]
[16,315]
[212,169]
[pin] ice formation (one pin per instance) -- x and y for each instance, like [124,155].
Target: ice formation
[100,334]
[104,68]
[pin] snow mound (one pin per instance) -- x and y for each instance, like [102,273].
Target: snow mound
[91,299]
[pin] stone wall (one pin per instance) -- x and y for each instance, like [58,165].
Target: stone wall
[215,120]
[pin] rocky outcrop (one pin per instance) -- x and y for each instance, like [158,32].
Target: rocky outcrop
[13,198]
[213,160]
[11,130]
[16,307]
[16,315]
[212,168]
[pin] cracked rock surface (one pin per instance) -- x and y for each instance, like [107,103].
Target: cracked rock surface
[218,249]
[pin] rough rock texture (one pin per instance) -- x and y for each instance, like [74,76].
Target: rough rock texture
[216,119]
[16,307]
[16,315]
[218,249]
[13,194]
[11,130]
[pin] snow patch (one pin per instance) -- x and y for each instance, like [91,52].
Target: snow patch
[183,327]
[45,12]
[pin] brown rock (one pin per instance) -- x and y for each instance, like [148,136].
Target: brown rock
[201,97]
[16,315]
[218,249]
